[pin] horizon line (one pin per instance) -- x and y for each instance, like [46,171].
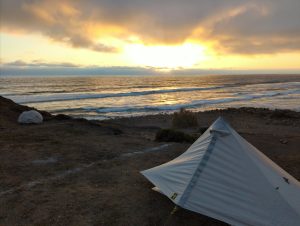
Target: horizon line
[75,70]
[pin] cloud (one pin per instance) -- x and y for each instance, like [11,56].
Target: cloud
[59,20]
[40,68]
[234,26]
[259,27]
[37,63]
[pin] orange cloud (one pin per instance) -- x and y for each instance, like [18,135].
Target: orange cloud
[243,27]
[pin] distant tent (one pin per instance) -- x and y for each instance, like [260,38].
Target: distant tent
[223,176]
[30,117]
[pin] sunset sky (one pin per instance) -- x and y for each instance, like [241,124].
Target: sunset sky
[160,34]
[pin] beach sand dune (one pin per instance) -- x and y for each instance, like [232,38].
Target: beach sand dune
[76,172]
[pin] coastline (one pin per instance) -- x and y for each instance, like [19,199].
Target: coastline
[100,98]
[80,172]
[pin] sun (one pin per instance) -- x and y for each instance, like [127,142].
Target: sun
[185,55]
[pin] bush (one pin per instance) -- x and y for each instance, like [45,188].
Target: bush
[184,119]
[281,114]
[169,135]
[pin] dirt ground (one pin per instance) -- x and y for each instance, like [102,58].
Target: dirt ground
[78,172]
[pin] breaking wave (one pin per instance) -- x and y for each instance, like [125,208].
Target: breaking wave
[76,96]
[190,105]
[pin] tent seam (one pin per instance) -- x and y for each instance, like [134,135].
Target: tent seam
[202,164]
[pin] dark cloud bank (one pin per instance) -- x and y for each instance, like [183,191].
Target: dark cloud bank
[20,68]
[236,26]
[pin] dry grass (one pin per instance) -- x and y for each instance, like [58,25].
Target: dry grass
[184,119]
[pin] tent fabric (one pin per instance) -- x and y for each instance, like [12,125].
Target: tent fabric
[30,117]
[223,176]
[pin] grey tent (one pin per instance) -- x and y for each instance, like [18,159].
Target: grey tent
[223,176]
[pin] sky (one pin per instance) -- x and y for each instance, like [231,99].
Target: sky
[150,35]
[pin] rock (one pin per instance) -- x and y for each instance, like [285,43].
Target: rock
[283,141]
[62,117]
[30,117]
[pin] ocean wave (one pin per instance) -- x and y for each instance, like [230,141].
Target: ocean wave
[76,96]
[166,108]
[42,96]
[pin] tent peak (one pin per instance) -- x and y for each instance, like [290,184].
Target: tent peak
[220,126]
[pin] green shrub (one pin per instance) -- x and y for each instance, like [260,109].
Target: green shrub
[184,119]
[170,135]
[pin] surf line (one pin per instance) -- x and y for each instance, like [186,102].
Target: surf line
[79,169]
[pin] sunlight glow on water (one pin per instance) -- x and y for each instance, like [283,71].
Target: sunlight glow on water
[105,97]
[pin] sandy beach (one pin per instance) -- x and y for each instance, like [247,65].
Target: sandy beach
[69,171]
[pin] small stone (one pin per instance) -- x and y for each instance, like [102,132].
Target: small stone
[283,141]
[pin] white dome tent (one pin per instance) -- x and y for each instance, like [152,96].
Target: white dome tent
[224,177]
[30,117]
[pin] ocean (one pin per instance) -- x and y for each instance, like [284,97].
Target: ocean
[105,97]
